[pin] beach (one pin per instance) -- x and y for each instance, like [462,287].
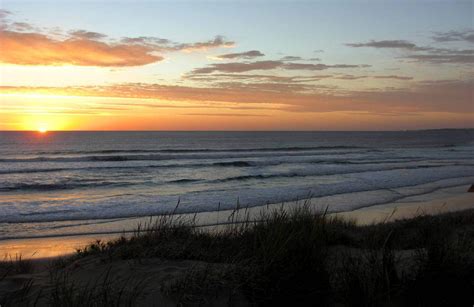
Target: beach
[446,200]
[176,265]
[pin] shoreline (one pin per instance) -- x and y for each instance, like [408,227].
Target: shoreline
[443,201]
[446,201]
[298,252]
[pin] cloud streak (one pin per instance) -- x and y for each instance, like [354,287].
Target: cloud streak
[429,54]
[242,55]
[227,114]
[441,58]
[394,77]
[255,78]
[238,67]
[218,42]
[4,14]
[452,36]
[82,34]
[391,44]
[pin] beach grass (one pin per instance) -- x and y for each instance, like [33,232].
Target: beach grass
[11,265]
[283,257]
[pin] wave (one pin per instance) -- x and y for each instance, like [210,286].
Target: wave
[139,167]
[95,183]
[60,186]
[184,180]
[202,150]
[156,157]
[205,202]
[36,170]
[235,163]
[326,173]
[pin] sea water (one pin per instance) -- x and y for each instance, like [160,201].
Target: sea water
[63,178]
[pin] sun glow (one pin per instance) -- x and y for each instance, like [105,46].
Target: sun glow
[42,130]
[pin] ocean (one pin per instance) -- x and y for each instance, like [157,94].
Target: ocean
[55,181]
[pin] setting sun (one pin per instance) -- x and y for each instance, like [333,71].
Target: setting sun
[42,130]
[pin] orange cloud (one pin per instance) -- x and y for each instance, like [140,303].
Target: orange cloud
[445,96]
[38,49]
[24,44]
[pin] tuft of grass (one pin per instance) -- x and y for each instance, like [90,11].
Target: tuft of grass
[285,257]
[367,277]
[13,265]
[101,292]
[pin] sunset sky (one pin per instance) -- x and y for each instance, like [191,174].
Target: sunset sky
[228,65]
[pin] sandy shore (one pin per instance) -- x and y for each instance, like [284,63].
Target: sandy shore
[39,248]
[443,200]
[446,200]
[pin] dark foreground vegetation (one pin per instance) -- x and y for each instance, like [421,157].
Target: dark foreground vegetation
[293,259]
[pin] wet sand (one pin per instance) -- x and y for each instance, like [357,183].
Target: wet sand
[447,200]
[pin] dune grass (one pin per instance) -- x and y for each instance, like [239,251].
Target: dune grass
[293,256]
[100,292]
[12,265]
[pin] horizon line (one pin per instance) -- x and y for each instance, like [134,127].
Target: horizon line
[399,130]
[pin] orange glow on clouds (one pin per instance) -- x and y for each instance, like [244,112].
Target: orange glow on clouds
[43,113]
[16,49]
[63,79]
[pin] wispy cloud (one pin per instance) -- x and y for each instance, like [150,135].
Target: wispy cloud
[392,44]
[429,54]
[238,67]
[216,77]
[83,34]
[147,40]
[306,66]
[241,55]
[22,26]
[451,36]
[393,77]
[227,114]
[4,13]
[443,58]
[291,58]
[350,77]
[218,42]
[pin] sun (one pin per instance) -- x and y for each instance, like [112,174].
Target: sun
[42,130]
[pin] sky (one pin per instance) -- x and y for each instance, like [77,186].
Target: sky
[236,65]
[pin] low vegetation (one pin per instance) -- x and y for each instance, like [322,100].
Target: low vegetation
[286,258]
